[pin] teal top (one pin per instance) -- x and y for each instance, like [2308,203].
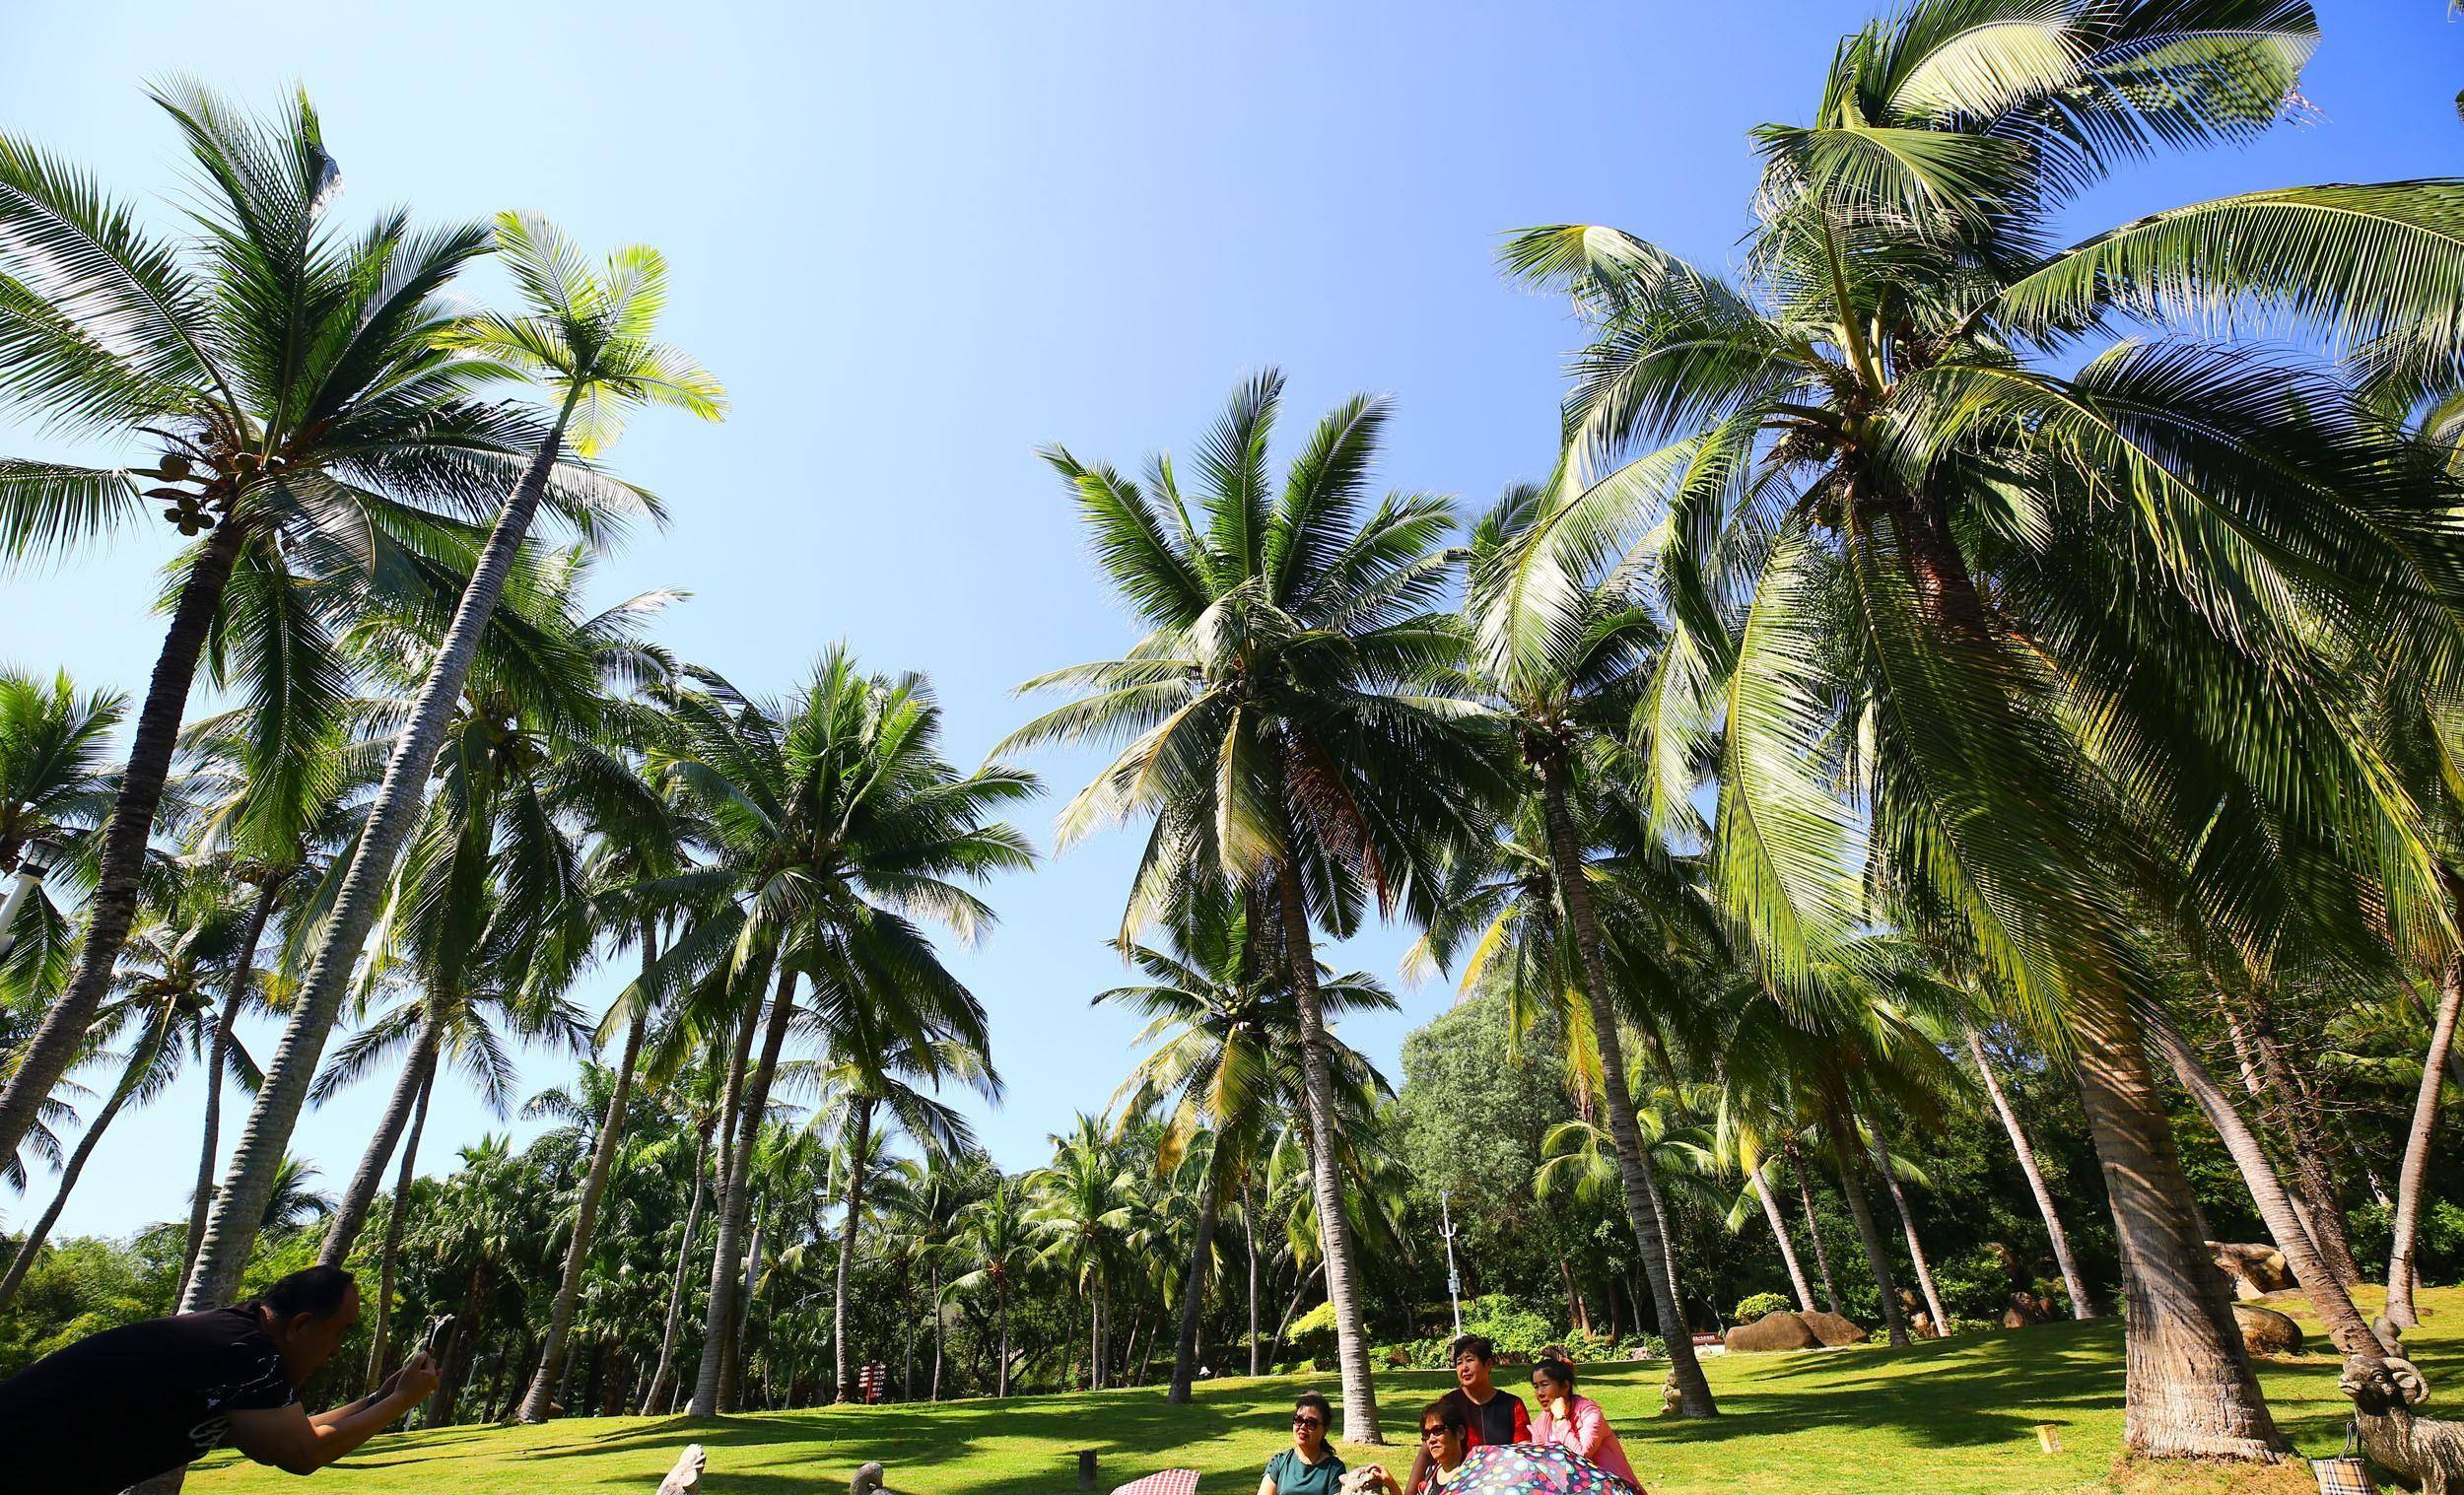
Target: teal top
[1291,1477]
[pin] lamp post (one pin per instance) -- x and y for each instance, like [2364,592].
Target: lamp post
[34,861]
[1454,1282]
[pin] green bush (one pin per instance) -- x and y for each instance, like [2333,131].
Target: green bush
[1751,1308]
[1974,1284]
[1312,1333]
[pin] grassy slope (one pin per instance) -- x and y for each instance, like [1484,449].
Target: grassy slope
[1947,1418]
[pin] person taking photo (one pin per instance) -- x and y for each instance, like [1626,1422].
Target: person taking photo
[126,1404]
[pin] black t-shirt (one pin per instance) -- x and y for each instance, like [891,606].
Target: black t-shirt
[1493,1422]
[136,1401]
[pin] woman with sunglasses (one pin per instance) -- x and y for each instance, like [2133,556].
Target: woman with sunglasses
[1309,1467]
[1445,1436]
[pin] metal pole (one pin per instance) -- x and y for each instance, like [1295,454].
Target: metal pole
[1454,1281]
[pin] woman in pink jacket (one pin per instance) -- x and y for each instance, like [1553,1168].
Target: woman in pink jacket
[1576,1422]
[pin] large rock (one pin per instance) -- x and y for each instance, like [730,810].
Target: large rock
[2266,1331]
[1772,1333]
[2254,1270]
[1832,1330]
[2022,1310]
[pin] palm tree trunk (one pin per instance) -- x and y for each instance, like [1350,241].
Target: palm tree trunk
[1001,1371]
[392,1248]
[1248,1223]
[139,1065]
[2082,1306]
[1779,1234]
[1300,1286]
[218,1058]
[1916,1248]
[1194,1285]
[231,1230]
[1839,1123]
[2351,1332]
[2190,1392]
[858,1140]
[48,1055]
[1360,1396]
[1634,1166]
[684,1263]
[342,1232]
[734,1205]
[2412,1181]
[1814,1227]
[534,1404]
[2268,1078]
[937,1309]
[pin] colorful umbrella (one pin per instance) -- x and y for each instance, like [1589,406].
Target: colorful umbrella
[1533,1469]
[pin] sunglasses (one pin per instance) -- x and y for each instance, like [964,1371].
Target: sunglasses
[1435,1432]
[1309,1422]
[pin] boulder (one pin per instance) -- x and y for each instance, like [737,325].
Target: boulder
[1832,1330]
[1773,1332]
[2254,1270]
[686,1476]
[2022,1310]
[2266,1331]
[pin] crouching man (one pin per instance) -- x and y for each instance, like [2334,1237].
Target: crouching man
[144,1400]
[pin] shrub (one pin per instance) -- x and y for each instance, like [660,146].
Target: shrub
[1755,1307]
[1312,1333]
[1974,1284]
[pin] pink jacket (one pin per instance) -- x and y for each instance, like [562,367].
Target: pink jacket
[1587,1432]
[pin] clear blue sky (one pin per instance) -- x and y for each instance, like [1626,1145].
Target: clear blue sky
[918,241]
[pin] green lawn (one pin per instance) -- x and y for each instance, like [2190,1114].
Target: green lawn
[1944,1419]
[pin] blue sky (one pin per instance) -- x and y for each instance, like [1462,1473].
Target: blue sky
[918,241]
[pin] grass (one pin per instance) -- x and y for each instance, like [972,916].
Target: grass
[1954,1417]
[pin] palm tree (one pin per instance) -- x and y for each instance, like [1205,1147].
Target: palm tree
[1220,1037]
[55,788]
[316,439]
[2082,1305]
[1083,1204]
[587,338]
[293,1204]
[493,907]
[996,1243]
[1572,661]
[935,1204]
[874,1078]
[834,818]
[1276,719]
[1981,585]
[168,968]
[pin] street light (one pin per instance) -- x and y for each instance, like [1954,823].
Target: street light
[34,861]
[1453,1283]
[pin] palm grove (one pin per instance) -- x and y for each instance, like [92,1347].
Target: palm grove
[1950,697]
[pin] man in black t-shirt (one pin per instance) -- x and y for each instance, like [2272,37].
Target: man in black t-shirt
[1492,1415]
[143,1399]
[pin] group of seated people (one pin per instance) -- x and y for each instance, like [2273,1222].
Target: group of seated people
[1474,1413]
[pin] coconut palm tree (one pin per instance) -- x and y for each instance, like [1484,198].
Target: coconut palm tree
[273,808]
[55,791]
[1221,1037]
[1084,1200]
[1275,722]
[873,1078]
[1573,661]
[493,908]
[1983,559]
[169,969]
[996,1243]
[585,338]
[316,441]
[2082,1306]
[834,819]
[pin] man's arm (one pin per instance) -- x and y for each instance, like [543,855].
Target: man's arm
[295,1443]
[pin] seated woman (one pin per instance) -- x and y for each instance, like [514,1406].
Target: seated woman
[1309,1467]
[1576,1422]
[1445,1436]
